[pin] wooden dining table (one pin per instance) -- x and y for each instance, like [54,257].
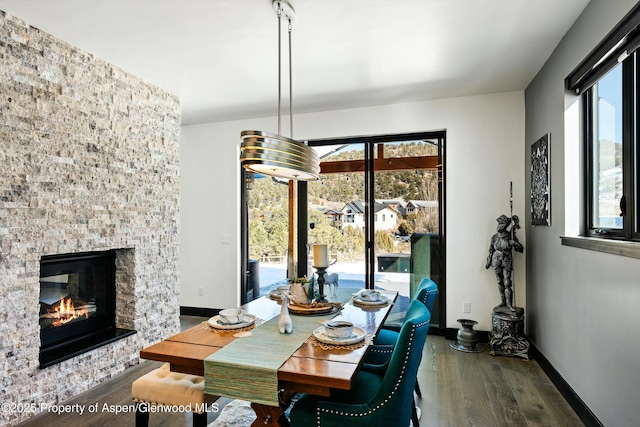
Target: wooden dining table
[310,369]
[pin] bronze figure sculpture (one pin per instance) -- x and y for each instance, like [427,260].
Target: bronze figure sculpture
[501,257]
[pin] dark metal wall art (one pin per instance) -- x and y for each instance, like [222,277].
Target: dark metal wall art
[540,184]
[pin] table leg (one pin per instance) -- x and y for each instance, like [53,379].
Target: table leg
[269,416]
[273,415]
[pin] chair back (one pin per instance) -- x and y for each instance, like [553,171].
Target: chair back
[393,402]
[427,292]
[384,399]
[396,393]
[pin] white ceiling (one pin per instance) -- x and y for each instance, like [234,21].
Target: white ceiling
[220,56]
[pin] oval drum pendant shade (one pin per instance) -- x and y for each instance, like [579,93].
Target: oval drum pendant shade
[276,155]
[273,154]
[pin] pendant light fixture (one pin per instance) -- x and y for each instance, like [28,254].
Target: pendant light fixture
[273,154]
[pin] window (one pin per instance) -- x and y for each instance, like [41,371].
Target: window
[609,83]
[605,152]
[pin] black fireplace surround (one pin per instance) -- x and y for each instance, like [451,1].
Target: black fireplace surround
[77,305]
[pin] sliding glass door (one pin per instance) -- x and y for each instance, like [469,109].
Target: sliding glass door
[336,207]
[406,210]
[379,207]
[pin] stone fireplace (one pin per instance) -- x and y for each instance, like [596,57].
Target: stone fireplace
[77,305]
[90,163]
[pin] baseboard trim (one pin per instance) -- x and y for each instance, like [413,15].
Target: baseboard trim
[572,398]
[198,311]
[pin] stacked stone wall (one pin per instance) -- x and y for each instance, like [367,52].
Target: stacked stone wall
[89,161]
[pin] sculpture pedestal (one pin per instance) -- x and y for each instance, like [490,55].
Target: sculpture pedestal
[507,336]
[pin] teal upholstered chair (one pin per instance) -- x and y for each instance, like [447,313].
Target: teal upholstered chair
[426,294]
[380,398]
[387,337]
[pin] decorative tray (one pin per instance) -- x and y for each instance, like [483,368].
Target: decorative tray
[314,308]
[357,336]
[217,323]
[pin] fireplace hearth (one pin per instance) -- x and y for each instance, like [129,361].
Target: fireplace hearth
[77,305]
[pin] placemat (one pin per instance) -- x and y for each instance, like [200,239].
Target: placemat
[368,339]
[205,325]
[370,307]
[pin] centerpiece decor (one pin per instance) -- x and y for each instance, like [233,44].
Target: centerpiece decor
[320,256]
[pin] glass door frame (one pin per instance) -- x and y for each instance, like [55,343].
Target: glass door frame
[370,143]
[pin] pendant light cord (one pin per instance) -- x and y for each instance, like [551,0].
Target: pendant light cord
[279,69]
[279,12]
[290,87]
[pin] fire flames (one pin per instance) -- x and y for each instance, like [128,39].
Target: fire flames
[66,312]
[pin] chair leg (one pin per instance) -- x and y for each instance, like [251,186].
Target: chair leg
[414,416]
[200,420]
[142,417]
[418,392]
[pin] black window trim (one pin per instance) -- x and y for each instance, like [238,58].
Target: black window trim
[605,54]
[619,45]
[624,233]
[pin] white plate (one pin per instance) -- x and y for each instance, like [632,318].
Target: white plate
[216,322]
[357,336]
[382,301]
[276,294]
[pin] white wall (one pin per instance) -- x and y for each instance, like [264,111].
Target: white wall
[484,152]
[582,305]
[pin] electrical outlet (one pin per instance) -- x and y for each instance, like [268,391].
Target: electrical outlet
[466,307]
[201,291]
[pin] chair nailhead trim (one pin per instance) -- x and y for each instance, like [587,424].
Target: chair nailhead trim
[379,406]
[377,350]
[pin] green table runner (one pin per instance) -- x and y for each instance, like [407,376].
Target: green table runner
[247,368]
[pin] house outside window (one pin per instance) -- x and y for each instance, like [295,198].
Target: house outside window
[608,81]
[348,216]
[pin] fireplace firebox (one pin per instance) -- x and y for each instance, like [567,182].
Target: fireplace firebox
[77,305]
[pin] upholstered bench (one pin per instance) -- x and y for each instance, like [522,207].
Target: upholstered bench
[171,389]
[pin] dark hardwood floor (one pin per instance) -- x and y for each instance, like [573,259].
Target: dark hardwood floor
[458,389]
[477,389]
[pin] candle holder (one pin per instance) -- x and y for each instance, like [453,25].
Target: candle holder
[321,271]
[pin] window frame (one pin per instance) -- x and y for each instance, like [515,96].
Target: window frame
[590,111]
[619,46]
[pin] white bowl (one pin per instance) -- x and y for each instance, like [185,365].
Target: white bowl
[338,329]
[232,315]
[370,296]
